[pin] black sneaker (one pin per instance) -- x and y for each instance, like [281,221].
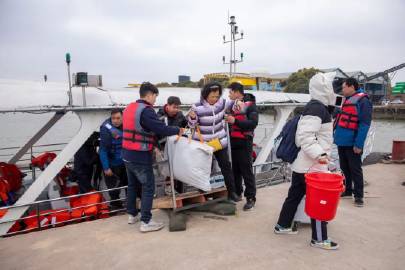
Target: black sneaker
[234,197]
[281,230]
[346,194]
[250,203]
[358,202]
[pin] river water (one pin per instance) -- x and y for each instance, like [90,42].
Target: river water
[17,128]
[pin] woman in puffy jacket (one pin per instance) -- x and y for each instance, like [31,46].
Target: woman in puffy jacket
[315,137]
[208,114]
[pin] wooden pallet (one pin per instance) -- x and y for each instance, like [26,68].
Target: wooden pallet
[189,198]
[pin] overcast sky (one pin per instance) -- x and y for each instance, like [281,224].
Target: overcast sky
[157,40]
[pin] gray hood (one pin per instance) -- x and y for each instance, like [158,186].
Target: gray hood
[321,89]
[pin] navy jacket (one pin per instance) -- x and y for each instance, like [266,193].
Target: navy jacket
[348,137]
[110,145]
[151,123]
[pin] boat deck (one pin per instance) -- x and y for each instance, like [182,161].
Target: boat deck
[372,237]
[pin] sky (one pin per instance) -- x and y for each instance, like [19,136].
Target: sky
[156,40]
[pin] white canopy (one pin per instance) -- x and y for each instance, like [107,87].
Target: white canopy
[17,94]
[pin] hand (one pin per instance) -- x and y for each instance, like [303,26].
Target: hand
[323,160]
[230,119]
[108,172]
[357,150]
[181,132]
[158,153]
[240,105]
[192,115]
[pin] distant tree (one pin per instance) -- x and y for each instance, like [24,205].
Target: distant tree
[163,84]
[201,83]
[189,84]
[298,82]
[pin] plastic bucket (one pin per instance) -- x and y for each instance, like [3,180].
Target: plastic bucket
[323,194]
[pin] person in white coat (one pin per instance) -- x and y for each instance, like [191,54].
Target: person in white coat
[314,136]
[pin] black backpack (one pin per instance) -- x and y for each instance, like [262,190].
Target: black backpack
[287,150]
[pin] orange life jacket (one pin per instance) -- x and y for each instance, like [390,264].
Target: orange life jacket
[134,136]
[348,117]
[12,174]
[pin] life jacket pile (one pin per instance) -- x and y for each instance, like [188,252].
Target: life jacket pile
[47,219]
[10,181]
[90,206]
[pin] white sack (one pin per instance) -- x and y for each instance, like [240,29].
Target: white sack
[190,161]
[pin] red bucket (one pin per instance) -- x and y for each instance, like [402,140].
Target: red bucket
[323,194]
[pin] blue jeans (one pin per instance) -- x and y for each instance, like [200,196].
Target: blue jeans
[142,174]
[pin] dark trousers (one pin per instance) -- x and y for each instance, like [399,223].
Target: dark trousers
[140,174]
[295,194]
[242,168]
[84,177]
[350,163]
[118,179]
[226,169]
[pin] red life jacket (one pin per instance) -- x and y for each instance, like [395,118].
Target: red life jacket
[348,117]
[134,136]
[237,132]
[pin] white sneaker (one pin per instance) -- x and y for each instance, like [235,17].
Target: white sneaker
[326,244]
[132,219]
[151,226]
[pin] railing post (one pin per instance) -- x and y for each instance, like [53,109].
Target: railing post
[38,216]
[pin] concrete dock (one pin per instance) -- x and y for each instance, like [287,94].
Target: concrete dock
[372,237]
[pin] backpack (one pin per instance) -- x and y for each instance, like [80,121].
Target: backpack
[287,150]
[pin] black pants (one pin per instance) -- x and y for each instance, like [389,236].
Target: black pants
[226,169]
[84,177]
[350,163]
[295,194]
[118,179]
[242,168]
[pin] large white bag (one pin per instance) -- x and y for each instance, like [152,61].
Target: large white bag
[300,214]
[190,161]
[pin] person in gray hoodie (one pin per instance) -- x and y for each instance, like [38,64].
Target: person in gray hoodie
[314,136]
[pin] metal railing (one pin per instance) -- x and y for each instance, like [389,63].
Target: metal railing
[36,205]
[275,173]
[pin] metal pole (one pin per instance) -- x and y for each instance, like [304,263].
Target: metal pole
[70,86]
[229,142]
[234,51]
[170,160]
[84,96]
[230,58]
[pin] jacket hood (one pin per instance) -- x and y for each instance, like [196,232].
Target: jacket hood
[321,89]
[249,97]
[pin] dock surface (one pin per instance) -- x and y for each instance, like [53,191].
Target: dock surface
[372,237]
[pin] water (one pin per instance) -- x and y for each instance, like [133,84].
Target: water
[17,128]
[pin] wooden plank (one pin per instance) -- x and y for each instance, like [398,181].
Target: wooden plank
[188,198]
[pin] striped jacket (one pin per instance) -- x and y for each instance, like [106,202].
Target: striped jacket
[210,119]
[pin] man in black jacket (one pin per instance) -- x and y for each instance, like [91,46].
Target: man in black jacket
[171,115]
[85,160]
[243,120]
